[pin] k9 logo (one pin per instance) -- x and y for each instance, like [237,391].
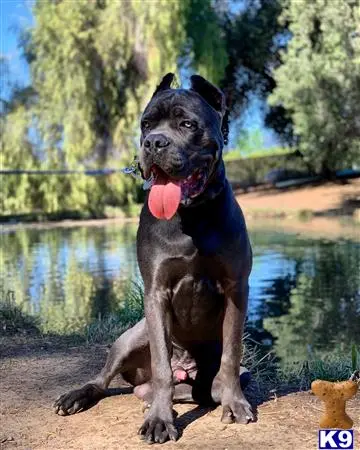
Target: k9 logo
[338,439]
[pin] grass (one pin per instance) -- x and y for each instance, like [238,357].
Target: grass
[329,368]
[109,328]
[235,154]
[13,320]
[269,375]
[103,330]
[266,371]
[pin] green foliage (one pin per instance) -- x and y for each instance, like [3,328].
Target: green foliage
[205,39]
[252,50]
[94,65]
[130,311]
[328,368]
[250,141]
[318,80]
[251,171]
[238,154]
[13,320]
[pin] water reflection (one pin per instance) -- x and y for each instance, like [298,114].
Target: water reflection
[305,293]
[321,302]
[68,277]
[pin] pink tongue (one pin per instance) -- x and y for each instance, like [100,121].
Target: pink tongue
[164,198]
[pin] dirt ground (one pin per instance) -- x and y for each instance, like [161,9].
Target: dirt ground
[330,199]
[30,383]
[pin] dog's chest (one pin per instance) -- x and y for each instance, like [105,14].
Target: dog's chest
[198,303]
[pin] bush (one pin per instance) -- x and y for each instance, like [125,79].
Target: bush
[252,171]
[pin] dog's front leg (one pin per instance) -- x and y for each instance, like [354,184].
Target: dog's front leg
[159,423]
[226,387]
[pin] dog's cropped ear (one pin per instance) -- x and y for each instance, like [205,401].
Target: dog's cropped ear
[210,93]
[165,83]
[215,97]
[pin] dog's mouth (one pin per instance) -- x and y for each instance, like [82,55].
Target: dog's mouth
[167,193]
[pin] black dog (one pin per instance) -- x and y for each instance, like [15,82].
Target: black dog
[195,265]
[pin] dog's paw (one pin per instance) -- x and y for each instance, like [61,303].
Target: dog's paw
[236,408]
[78,400]
[156,430]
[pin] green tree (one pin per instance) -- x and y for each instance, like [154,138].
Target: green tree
[319,78]
[251,33]
[15,151]
[250,141]
[94,64]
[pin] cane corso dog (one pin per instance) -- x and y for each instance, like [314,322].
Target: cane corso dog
[195,259]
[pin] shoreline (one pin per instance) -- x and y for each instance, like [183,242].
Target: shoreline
[329,209]
[329,227]
[66,223]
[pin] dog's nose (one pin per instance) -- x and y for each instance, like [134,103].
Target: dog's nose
[156,141]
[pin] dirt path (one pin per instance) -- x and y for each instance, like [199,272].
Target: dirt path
[30,383]
[325,200]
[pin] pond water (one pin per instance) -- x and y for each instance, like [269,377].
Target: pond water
[304,296]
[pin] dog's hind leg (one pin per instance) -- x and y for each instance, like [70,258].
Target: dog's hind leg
[129,355]
[194,391]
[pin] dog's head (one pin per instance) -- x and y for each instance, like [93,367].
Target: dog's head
[182,137]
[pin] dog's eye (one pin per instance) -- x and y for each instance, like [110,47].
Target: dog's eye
[188,124]
[145,124]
